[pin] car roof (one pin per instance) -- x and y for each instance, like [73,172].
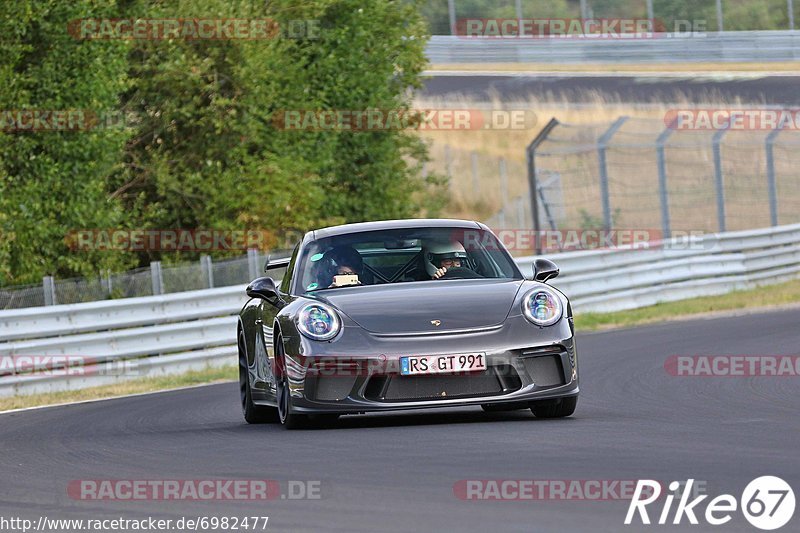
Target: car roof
[395,224]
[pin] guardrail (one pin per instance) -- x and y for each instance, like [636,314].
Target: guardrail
[675,269]
[138,337]
[734,46]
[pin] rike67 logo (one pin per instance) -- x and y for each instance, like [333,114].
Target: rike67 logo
[767,503]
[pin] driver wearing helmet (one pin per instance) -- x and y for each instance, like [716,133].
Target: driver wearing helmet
[439,257]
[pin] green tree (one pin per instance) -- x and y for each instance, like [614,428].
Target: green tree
[54,182]
[208,153]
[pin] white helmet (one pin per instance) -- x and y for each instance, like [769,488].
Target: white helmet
[434,252]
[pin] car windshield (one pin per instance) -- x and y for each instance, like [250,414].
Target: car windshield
[403,255]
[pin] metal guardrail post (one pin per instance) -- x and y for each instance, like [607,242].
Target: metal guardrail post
[532,185]
[772,184]
[718,182]
[206,266]
[156,278]
[602,144]
[662,182]
[49,288]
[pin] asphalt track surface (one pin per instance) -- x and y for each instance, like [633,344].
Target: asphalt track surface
[396,472]
[766,90]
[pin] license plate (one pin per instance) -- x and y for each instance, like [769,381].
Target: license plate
[439,364]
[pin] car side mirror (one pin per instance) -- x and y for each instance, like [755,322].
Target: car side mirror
[544,269]
[265,289]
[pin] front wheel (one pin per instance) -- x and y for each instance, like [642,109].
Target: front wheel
[289,418]
[253,414]
[557,408]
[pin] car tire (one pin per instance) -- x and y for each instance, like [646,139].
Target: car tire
[253,414]
[557,408]
[288,418]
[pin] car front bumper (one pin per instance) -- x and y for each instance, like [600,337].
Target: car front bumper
[524,364]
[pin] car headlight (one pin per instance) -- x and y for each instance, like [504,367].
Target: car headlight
[318,322]
[542,307]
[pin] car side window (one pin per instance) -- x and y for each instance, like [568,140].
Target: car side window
[286,283]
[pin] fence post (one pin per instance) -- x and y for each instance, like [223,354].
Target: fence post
[550,220]
[156,278]
[771,182]
[602,144]
[49,288]
[109,285]
[790,9]
[206,267]
[476,185]
[662,181]
[252,262]
[447,164]
[718,182]
[520,212]
[451,9]
[532,185]
[503,182]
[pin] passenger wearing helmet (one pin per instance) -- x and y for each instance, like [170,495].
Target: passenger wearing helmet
[441,257]
[340,261]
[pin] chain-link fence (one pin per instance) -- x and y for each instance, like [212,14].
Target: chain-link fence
[639,174]
[156,279]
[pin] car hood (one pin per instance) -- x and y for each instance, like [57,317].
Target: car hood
[411,307]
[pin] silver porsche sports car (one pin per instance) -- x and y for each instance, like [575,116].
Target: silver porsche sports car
[404,314]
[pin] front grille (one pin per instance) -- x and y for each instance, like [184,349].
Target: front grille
[544,366]
[439,386]
[329,388]
[330,381]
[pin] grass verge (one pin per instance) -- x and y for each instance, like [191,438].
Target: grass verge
[209,375]
[762,298]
